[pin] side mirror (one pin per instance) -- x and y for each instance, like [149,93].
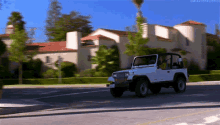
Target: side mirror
[180,60]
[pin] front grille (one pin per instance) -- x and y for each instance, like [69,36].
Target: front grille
[120,78]
[120,75]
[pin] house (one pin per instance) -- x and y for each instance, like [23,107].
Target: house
[189,36]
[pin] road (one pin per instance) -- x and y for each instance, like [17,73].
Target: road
[199,105]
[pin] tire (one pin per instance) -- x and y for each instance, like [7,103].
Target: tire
[141,88]
[155,89]
[180,85]
[116,92]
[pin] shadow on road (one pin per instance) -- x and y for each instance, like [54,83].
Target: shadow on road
[195,97]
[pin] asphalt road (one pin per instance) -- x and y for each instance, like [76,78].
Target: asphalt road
[199,105]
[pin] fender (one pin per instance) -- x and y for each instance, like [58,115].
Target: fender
[141,76]
[177,74]
[111,79]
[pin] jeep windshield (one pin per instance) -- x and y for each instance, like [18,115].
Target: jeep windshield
[145,60]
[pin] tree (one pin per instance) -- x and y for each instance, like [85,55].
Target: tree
[17,51]
[31,34]
[3,47]
[70,22]
[53,15]
[107,59]
[132,28]
[138,3]
[16,20]
[136,46]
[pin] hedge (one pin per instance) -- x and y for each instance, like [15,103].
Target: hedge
[204,77]
[88,80]
[204,72]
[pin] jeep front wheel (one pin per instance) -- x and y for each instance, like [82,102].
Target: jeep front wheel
[141,89]
[155,89]
[116,92]
[180,85]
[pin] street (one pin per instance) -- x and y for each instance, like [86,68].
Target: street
[199,105]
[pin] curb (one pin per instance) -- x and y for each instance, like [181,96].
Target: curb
[101,85]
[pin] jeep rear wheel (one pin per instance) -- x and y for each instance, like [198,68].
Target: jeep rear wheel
[116,92]
[180,85]
[141,89]
[155,89]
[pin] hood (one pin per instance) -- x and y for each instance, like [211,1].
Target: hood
[127,70]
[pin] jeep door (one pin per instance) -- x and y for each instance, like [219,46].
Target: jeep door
[164,68]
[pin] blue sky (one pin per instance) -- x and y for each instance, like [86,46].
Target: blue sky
[117,14]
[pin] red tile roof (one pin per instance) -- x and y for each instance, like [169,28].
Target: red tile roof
[4,35]
[95,37]
[191,22]
[52,47]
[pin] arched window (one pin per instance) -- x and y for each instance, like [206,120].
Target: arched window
[47,59]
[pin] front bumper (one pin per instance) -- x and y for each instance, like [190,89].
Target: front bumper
[119,85]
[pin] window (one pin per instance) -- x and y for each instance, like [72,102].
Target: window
[187,42]
[89,57]
[164,61]
[145,60]
[47,59]
[175,62]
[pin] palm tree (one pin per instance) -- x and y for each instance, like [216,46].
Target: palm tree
[138,3]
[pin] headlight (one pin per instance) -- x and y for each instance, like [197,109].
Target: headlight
[114,75]
[126,74]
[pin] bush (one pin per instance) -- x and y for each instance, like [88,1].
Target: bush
[33,67]
[28,74]
[185,62]
[101,74]
[68,68]
[204,77]
[50,73]
[1,84]
[193,66]
[87,73]
[56,74]
[4,73]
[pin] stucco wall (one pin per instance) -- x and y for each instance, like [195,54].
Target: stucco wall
[108,43]
[196,41]
[107,34]
[124,59]
[84,63]
[161,31]
[73,40]
[162,44]
[67,56]
[7,41]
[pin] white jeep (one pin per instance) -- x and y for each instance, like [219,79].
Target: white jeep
[150,72]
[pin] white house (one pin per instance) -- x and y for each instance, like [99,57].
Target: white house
[189,36]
